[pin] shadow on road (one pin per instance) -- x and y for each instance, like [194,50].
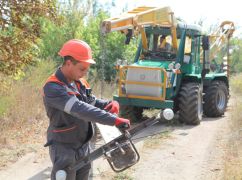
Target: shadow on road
[42,175]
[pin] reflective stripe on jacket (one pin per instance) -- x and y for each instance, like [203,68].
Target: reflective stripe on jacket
[71,108]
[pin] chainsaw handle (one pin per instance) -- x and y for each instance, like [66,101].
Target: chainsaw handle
[123,127]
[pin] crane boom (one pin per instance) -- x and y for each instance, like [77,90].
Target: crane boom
[219,38]
[141,17]
[138,17]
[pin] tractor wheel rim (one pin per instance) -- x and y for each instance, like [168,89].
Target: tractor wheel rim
[221,100]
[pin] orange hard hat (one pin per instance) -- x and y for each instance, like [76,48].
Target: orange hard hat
[77,49]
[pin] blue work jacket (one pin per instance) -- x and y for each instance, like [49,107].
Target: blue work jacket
[72,109]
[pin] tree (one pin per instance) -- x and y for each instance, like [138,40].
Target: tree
[19,31]
[236,55]
[73,14]
[106,50]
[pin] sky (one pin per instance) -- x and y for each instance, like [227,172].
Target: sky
[210,11]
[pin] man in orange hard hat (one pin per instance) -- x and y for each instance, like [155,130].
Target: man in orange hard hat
[72,108]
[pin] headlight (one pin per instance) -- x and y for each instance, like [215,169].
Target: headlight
[171,66]
[177,66]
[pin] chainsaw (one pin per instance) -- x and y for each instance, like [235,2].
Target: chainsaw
[120,152]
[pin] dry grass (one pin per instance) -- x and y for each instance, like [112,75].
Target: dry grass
[23,120]
[23,123]
[155,141]
[233,161]
[122,176]
[103,90]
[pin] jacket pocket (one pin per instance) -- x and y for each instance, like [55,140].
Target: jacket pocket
[64,129]
[66,134]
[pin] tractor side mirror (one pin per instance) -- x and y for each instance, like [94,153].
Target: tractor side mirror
[206,62]
[205,43]
[128,36]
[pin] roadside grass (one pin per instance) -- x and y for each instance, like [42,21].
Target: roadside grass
[122,176]
[23,121]
[233,160]
[6,102]
[5,88]
[111,175]
[103,90]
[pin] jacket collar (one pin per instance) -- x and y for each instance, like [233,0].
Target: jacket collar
[61,76]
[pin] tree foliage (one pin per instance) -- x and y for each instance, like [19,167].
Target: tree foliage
[236,55]
[20,30]
[36,29]
[79,24]
[106,49]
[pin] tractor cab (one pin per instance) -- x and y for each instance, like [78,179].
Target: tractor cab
[161,47]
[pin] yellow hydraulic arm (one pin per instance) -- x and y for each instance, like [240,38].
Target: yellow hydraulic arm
[220,38]
[141,17]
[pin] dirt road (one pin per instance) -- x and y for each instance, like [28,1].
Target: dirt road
[191,153]
[186,153]
[177,152]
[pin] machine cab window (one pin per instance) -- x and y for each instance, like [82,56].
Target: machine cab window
[164,43]
[159,48]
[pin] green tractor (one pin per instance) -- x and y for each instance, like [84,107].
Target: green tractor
[171,69]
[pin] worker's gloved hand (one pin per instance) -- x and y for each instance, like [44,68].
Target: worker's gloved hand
[112,107]
[122,124]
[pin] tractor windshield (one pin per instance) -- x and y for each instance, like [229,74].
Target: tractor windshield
[159,48]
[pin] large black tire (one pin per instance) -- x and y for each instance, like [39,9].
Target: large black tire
[190,103]
[133,113]
[216,99]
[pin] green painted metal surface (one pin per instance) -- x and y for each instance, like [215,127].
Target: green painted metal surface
[209,76]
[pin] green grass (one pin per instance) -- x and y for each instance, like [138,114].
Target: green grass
[5,104]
